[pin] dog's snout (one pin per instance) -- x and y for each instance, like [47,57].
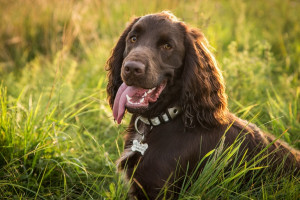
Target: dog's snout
[134,68]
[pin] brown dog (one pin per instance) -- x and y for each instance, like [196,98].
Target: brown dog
[162,71]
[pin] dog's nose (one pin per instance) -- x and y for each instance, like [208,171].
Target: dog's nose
[134,68]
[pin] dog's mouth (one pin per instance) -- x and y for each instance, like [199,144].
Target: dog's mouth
[134,98]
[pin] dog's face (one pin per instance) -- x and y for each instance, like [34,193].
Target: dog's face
[153,55]
[160,62]
[154,50]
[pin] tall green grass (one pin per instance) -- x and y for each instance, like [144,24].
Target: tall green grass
[57,136]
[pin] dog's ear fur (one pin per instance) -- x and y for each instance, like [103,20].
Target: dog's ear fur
[114,64]
[203,96]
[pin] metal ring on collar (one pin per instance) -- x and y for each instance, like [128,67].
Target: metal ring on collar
[136,125]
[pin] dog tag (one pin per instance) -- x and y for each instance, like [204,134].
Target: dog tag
[138,146]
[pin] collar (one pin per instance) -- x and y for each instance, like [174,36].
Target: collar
[163,118]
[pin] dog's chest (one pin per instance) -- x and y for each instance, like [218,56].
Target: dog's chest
[163,148]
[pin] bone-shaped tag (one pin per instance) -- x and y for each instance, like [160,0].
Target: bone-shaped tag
[138,146]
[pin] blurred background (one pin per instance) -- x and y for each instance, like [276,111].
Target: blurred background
[57,136]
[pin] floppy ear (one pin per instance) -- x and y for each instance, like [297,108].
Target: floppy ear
[114,64]
[203,98]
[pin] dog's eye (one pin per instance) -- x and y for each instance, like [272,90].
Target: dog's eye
[133,39]
[167,46]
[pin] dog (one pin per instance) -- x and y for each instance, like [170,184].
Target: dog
[161,71]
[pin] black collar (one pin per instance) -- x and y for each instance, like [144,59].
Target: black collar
[170,114]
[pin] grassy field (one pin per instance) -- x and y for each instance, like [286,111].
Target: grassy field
[57,135]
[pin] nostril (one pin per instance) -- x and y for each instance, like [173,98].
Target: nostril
[127,69]
[138,71]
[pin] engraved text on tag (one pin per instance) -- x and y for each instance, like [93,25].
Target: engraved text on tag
[138,146]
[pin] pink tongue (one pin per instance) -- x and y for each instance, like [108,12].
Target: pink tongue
[120,100]
[117,106]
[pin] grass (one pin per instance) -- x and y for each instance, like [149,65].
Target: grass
[57,136]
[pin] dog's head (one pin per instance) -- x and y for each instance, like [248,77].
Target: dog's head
[160,62]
